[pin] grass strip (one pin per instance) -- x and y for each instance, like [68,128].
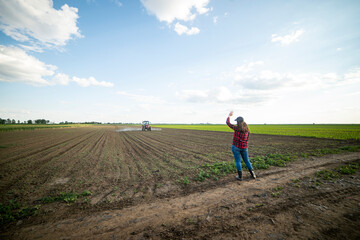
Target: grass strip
[220,169]
[331,131]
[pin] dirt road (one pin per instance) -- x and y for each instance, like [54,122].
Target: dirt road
[282,203]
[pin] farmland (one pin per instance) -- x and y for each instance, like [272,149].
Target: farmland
[54,174]
[333,131]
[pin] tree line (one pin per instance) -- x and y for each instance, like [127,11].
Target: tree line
[40,121]
[13,121]
[44,121]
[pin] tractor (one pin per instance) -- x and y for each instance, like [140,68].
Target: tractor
[146,126]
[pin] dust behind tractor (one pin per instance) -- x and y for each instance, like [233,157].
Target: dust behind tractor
[146,126]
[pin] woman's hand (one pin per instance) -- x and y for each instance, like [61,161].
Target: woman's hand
[231,113]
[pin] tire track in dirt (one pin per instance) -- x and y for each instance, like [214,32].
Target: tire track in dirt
[122,223]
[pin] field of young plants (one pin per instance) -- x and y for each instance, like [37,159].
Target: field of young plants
[333,131]
[52,173]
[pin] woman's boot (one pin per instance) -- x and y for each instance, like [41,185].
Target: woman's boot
[239,177]
[252,174]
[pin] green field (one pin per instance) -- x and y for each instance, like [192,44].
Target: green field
[333,131]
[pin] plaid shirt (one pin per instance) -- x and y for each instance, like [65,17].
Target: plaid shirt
[240,139]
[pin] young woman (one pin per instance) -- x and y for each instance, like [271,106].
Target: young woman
[240,145]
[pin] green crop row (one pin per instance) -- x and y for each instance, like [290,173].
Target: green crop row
[13,210]
[332,131]
[66,197]
[219,169]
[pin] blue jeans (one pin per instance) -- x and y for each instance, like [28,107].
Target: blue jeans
[245,156]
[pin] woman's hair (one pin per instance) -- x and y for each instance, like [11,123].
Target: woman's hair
[242,127]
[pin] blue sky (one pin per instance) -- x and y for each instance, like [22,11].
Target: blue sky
[180,61]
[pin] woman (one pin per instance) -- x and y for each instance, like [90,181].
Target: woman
[240,145]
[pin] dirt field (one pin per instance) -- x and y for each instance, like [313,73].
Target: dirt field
[134,180]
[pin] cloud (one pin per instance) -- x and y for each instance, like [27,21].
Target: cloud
[169,10]
[37,22]
[91,81]
[141,98]
[61,79]
[248,66]
[222,95]
[193,95]
[215,19]
[252,83]
[17,66]
[353,76]
[287,39]
[181,29]
[254,76]
[182,10]
[117,3]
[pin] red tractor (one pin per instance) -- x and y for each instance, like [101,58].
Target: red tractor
[146,126]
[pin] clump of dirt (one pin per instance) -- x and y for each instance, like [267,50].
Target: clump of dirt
[60,181]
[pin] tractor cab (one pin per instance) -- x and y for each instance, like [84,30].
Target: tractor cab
[145,126]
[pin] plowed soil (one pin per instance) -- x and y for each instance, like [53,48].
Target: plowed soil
[134,177]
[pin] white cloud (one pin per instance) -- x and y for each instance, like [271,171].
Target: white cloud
[287,39]
[339,49]
[117,3]
[221,95]
[17,66]
[254,76]
[61,79]
[252,83]
[37,22]
[91,81]
[141,98]
[169,10]
[182,10]
[248,66]
[215,19]
[181,29]
[353,76]
[193,95]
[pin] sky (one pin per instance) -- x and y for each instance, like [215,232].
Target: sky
[180,61]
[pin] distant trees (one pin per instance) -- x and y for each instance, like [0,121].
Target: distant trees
[66,122]
[13,121]
[41,121]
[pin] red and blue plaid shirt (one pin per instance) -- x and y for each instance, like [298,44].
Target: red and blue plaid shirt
[240,139]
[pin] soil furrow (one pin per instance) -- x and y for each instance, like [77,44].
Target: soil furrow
[42,160]
[37,151]
[164,159]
